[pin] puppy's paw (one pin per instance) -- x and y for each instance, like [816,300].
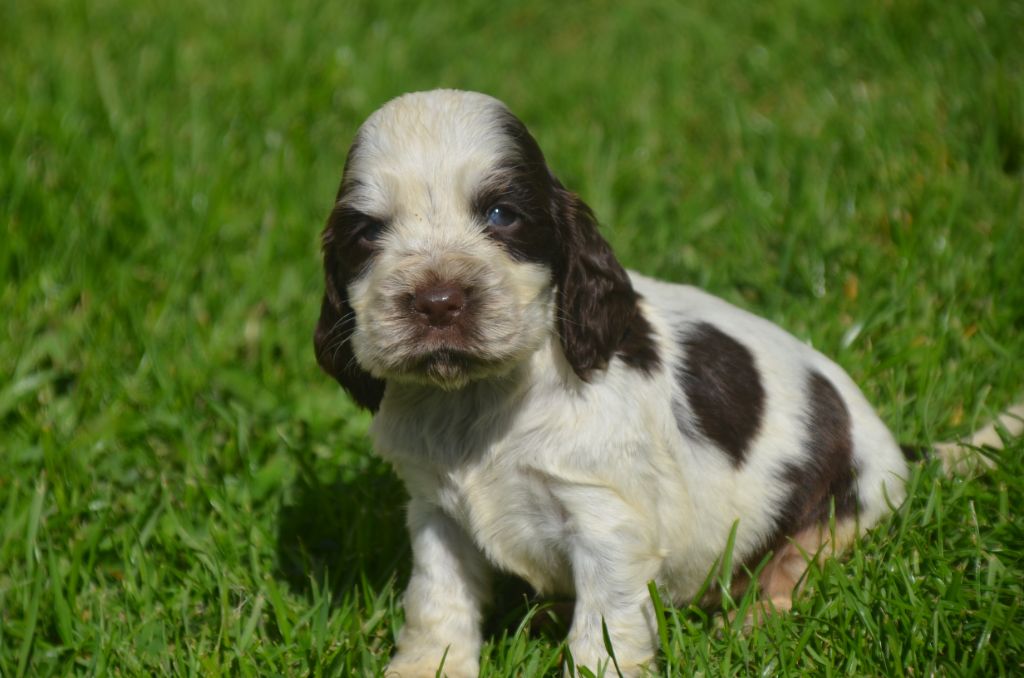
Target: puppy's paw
[406,666]
[604,666]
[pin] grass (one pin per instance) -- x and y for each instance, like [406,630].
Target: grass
[182,492]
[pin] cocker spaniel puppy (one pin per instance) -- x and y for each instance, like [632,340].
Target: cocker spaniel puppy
[560,418]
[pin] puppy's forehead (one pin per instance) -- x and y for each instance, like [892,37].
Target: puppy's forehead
[440,141]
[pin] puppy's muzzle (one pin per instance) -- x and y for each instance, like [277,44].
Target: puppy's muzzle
[439,304]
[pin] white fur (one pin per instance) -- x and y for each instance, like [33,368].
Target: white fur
[590,488]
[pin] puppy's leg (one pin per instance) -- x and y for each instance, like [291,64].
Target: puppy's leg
[783,576]
[444,600]
[961,457]
[613,556]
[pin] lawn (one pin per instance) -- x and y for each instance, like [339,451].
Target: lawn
[183,492]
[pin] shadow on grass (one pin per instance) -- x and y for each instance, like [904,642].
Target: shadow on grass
[339,532]
[343,531]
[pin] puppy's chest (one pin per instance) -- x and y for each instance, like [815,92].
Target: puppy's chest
[514,517]
[498,488]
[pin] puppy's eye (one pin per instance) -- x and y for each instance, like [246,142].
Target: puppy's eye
[501,216]
[369,230]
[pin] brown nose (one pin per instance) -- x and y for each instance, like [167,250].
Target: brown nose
[439,303]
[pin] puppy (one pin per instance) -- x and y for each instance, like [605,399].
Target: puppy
[557,417]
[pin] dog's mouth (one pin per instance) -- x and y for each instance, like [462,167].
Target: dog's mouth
[447,367]
[478,342]
[444,359]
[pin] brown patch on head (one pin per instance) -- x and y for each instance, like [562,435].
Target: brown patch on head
[598,312]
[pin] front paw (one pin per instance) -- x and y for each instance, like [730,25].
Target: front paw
[405,665]
[600,664]
[608,670]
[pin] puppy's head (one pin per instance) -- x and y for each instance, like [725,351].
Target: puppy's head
[452,252]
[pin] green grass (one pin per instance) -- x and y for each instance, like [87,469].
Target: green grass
[183,492]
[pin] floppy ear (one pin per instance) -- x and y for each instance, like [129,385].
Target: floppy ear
[333,338]
[596,302]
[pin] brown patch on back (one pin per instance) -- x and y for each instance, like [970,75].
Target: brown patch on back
[723,389]
[829,446]
[825,477]
[826,474]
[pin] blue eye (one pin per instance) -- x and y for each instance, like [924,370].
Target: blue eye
[501,216]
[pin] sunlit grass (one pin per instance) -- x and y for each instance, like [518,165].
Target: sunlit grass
[183,492]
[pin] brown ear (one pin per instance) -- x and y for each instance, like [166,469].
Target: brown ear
[597,306]
[333,340]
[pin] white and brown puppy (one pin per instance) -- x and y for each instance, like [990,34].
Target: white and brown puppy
[557,417]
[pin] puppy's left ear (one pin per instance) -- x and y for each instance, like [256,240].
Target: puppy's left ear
[596,302]
[332,339]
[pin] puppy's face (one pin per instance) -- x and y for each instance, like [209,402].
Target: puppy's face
[431,218]
[452,252]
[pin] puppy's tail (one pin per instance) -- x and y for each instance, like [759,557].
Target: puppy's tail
[963,456]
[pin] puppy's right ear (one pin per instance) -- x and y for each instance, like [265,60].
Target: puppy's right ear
[333,337]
